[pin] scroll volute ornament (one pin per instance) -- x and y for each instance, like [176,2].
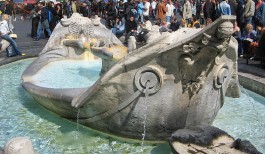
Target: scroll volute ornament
[220,75]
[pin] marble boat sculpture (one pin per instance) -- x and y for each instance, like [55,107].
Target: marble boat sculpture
[185,74]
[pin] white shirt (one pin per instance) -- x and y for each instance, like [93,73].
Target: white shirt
[170,9]
[153,5]
[146,10]
[187,11]
[4,29]
[148,25]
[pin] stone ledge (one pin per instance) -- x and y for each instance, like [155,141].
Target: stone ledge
[252,82]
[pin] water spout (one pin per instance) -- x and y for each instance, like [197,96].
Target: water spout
[77,123]
[145,113]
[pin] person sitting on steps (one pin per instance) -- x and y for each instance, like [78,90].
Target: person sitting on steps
[131,28]
[4,30]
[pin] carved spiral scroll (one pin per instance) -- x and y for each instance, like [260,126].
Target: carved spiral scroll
[220,75]
[149,74]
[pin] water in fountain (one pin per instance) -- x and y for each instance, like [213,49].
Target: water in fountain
[145,113]
[69,74]
[77,123]
[239,118]
[21,116]
[253,106]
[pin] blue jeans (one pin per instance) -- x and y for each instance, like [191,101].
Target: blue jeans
[40,30]
[248,20]
[168,18]
[12,43]
[141,16]
[116,31]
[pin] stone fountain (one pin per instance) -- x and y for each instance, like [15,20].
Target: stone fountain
[186,74]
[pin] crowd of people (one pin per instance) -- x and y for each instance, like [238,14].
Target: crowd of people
[136,17]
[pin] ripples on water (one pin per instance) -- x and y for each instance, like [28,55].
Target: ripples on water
[21,116]
[244,118]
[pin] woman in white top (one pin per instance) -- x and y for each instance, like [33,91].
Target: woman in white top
[146,8]
[187,11]
[4,30]
[170,11]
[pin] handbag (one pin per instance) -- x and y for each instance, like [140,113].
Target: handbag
[10,51]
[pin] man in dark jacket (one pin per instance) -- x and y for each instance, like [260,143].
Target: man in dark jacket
[35,18]
[44,22]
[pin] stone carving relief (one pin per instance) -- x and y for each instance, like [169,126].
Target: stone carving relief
[176,72]
[222,37]
[210,47]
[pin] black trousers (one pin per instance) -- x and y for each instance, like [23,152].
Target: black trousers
[34,27]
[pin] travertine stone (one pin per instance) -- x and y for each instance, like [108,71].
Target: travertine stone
[19,145]
[208,140]
[131,43]
[186,74]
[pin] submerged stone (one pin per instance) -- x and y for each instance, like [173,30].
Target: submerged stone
[208,140]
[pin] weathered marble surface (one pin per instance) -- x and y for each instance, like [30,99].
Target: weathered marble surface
[19,145]
[187,73]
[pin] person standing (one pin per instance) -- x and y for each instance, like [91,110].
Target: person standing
[248,11]
[84,9]
[58,13]
[239,14]
[140,7]
[146,8]
[44,23]
[67,9]
[5,31]
[259,13]
[161,11]
[73,6]
[170,11]
[121,8]
[35,19]
[14,6]
[232,6]
[207,9]
[223,8]
[187,11]
[9,12]
[153,5]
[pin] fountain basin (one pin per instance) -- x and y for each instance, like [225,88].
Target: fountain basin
[182,69]
[22,116]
